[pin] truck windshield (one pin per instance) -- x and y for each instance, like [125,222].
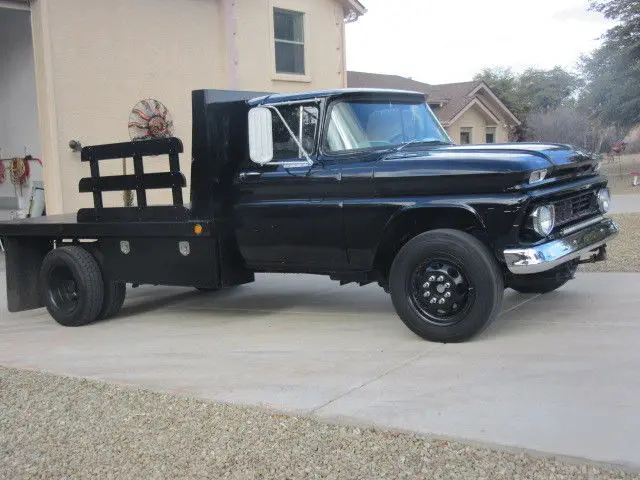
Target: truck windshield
[357,125]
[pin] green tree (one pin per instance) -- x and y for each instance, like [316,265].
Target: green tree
[544,90]
[626,34]
[533,90]
[612,93]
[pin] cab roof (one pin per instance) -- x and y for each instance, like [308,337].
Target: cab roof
[341,92]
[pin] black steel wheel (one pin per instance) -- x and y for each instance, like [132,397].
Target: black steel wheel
[441,292]
[446,285]
[72,286]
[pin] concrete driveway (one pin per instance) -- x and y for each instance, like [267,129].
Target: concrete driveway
[557,373]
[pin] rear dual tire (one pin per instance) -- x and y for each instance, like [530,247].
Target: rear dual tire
[446,286]
[114,295]
[73,288]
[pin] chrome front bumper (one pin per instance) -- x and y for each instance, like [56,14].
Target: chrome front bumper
[575,242]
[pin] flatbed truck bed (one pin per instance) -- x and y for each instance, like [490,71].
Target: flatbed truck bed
[68,226]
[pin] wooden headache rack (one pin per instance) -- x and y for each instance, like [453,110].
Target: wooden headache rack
[139,182]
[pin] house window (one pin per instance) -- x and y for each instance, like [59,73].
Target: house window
[288,32]
[465,135]
[285,147]
[490,135]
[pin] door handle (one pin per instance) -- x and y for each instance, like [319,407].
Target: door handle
[245,175]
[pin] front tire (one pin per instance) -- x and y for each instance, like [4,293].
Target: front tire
[446,286]
[72,286]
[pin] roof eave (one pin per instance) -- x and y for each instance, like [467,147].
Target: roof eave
[509,113]
[353,9]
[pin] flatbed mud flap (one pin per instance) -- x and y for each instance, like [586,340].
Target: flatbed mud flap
[24,257]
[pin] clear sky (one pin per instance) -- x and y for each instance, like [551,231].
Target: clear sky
[442,41]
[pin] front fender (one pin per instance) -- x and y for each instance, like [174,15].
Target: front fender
[413,220]
[437,208]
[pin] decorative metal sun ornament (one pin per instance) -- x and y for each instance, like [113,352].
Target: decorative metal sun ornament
[150,119]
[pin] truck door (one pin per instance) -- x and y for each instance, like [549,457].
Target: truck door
[283,219]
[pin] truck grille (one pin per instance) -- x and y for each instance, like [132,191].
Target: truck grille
[576,207]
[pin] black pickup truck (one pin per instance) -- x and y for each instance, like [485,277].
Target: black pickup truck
[360,185]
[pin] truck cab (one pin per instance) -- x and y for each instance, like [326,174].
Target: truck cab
[362,185]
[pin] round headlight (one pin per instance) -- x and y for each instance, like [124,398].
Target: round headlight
[544,219]
[604,200]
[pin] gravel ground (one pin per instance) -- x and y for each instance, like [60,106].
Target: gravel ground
[54,427]
[622,251]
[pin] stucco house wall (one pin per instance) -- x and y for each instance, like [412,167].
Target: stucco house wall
[324,46]
[475,119]
[95,63]
[95,60]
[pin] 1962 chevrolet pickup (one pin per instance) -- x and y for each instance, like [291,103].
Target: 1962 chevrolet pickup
[361,185]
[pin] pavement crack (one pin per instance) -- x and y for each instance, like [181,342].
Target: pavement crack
[375,379]
[524,302]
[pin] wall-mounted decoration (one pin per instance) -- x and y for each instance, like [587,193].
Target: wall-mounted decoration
[149,119]
[19,171]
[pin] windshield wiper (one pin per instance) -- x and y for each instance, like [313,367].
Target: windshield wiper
[421,142]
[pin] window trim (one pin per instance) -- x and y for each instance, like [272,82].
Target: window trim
[314,154]
[468,130]
[490,130]
[292,7]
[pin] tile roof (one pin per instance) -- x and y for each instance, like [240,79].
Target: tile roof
[453,96]
[379,80]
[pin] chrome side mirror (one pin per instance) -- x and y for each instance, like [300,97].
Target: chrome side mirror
[260,135]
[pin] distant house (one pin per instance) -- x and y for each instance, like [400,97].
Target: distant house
[469,111]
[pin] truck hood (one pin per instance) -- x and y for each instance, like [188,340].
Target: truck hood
[490,167]
[506,157]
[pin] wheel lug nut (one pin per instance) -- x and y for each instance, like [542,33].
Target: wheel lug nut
[433,300]
[425,285]
[441,278]
[441,301]
[447,295]
[427,294]
[432,278]
[447,285]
